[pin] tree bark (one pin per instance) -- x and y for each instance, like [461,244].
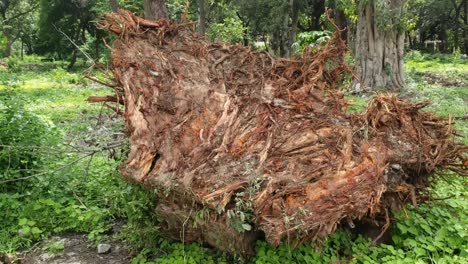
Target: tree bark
[155,9]
[379,52]
[342,23]
[465,26]
[294,6]
[284,52]
[114,5]
[317,9]
[456,28]
[201,17]
[10,40]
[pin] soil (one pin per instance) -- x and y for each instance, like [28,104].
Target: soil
[77,250]
[446,81]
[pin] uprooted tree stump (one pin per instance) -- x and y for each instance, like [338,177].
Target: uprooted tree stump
[238,144]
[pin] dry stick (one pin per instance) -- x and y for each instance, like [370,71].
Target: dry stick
[62,167]
[384,229]
[74,44]
[89,59]
[45,172]
[99,81]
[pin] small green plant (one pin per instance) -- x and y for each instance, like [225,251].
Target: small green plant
[13,64]
[230,31]
[54,247]
[23,135]
[312,39]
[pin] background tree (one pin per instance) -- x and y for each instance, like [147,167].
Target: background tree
[66,25]
[380,39]
[16,22]
[155,9]
[201,17]
[114,5]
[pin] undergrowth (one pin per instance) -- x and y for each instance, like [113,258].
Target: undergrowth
[56,176]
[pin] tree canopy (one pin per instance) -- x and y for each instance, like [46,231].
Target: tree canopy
[66,30]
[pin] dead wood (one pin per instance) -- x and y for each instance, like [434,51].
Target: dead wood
[234,140]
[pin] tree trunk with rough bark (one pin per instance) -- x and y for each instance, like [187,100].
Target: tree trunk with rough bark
[201,17]
[10,40]
[294,7]
[114,5]
[155,9]
[465,27]
[379,46]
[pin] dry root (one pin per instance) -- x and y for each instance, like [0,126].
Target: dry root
[235,140]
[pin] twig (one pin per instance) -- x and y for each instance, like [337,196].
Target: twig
[64,166]
[45,172]
[74,44]
[384,229]
[99,81]
[104,98]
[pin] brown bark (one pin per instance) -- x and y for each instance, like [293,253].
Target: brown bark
[10,41]
[456,20]
[284,33]
[201,17]
[294,7]
[379,52]
[155,9]
[317,9]
[465,26]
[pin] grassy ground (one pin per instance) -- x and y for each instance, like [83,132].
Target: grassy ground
[68,181]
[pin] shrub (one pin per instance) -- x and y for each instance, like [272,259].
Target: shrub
[22,136]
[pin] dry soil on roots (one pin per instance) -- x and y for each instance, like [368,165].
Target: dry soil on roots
[239,144]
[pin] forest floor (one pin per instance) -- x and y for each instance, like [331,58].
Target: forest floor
[73,200]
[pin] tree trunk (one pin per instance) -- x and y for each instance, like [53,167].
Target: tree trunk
[465,27]
[379,52]
[114,5]
[342,23]
[294,6]
[201,17]
[72,60]
[10,41]
[8,48]
[456,29]
[410,40]
[155,9]
[285,47]
[317,9]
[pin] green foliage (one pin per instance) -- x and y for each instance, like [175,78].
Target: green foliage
[178,253]
[349,7]
[65,24]
[22,137]
[311,39]
[230,30]
[39,114]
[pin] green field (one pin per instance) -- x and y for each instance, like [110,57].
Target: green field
[59,176]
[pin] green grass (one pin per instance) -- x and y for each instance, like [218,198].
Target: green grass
[67,194]
[88,195]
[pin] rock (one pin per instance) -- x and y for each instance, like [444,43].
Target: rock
[104,248]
